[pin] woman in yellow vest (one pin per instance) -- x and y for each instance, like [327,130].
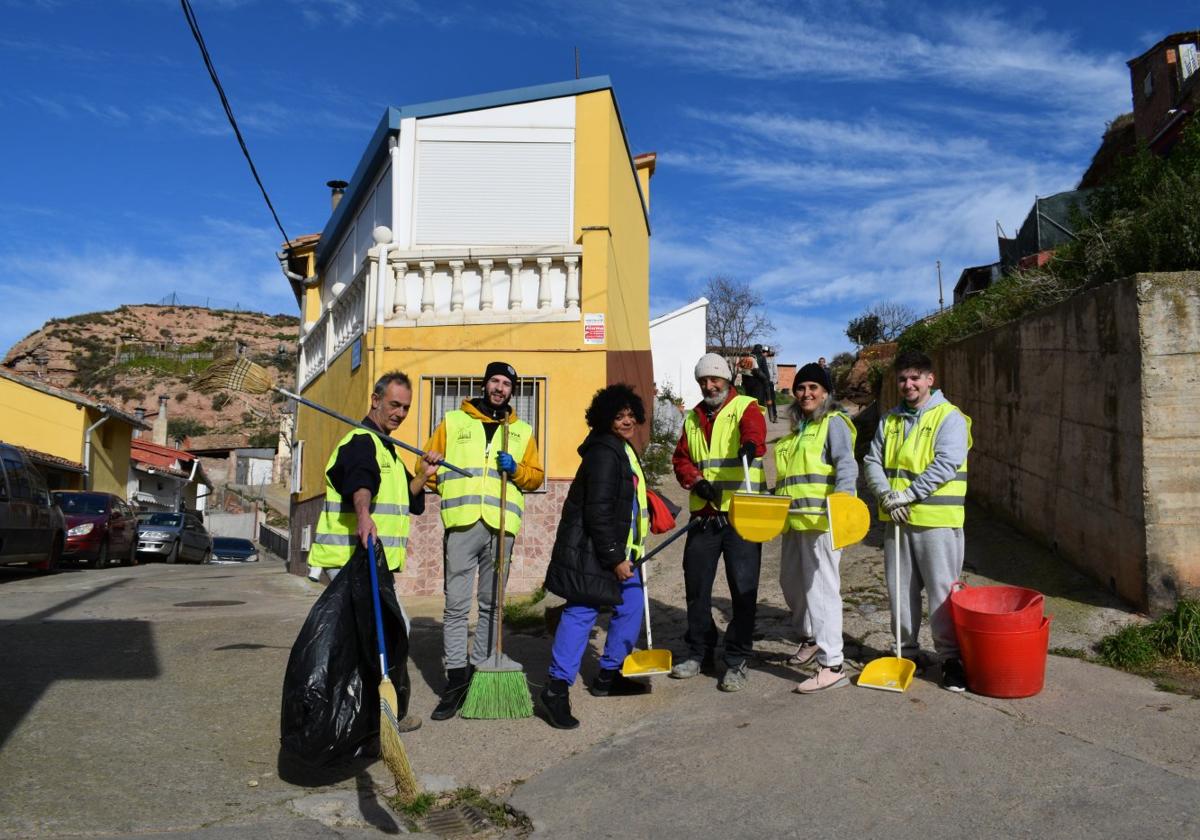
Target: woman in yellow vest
[813,461]
[601,534]
[917,468]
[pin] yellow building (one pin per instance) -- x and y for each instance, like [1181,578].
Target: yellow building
[77,442]
[512,226]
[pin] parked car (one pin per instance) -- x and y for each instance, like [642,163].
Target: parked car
[32,529]
[174,537]
[233,550]
[101,528]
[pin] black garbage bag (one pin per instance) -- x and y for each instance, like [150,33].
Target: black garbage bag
[331,687]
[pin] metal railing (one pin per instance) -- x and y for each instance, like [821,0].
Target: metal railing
[273,540]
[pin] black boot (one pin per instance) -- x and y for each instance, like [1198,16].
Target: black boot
[458,680]
[610,682]
[556,700]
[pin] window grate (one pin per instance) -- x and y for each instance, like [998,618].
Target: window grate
[446,393]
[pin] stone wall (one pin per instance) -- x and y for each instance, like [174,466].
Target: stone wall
[1086,426]
[423,570]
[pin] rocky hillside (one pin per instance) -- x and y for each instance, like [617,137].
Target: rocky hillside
[131,356]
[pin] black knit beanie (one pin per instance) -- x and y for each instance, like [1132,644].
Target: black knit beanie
[500,369]
[813,372]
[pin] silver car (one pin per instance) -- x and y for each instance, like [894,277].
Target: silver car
[174,537]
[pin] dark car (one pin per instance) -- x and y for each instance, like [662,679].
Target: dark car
[174,537]
[233,550]
[31,526]
[101,528]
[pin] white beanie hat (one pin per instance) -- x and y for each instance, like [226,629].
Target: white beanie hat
[711,364]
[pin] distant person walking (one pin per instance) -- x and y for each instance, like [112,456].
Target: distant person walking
[718,433]
[814,460]
[917,469]
[766,382]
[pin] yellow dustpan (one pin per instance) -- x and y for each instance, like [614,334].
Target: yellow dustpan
[757,517]
[891,673]
[849,519]
[649,662]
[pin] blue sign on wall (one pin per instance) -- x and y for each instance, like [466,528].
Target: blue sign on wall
[356,354]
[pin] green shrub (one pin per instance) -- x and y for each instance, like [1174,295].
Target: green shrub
[1176,635]
[182,427]
[1128,648]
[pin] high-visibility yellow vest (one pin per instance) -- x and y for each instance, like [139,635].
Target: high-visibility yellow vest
[336,537]
[803,476]
[635,543]
[467,500]
[718,458]
[906,458]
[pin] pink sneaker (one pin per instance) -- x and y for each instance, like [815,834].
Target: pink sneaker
[824,678]
[804,654]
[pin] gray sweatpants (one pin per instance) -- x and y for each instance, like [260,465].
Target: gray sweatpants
[467,551]
[811,580]
[931,558]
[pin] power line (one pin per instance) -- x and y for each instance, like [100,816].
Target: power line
[212,72]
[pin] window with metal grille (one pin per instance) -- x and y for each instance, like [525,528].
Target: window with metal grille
[446,393]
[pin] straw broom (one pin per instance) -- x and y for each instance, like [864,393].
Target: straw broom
[390,745]
[245,376]
[498,688]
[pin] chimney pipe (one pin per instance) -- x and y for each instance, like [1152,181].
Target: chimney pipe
[140,414]
[160,422]
[337,189]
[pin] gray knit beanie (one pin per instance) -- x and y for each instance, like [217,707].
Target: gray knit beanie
[711,364]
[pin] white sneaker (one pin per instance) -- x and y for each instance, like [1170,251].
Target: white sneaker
[804,653]
[825,678]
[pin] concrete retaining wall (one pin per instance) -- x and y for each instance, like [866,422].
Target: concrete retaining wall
[1087,430]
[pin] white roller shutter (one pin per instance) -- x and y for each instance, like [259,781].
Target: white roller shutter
[493,193]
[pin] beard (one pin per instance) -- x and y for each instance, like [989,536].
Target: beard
[718,399]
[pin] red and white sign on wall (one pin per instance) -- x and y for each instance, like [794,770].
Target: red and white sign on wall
[593,328]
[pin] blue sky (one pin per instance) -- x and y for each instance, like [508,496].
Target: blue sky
[828,153]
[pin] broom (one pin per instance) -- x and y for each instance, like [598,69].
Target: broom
[245,376]
[498,689]
[391,747]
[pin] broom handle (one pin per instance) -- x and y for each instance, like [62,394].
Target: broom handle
[358,425]
[383,663]
[500,561]
[695,520]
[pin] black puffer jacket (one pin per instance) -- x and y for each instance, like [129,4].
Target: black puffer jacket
[594,526]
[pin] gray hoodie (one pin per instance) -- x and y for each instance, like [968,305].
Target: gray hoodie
[949,450]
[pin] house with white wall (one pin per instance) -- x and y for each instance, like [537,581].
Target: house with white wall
[677,340]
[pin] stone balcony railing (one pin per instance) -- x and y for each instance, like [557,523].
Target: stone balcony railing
[446,287]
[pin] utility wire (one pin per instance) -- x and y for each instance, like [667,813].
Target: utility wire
[212,72]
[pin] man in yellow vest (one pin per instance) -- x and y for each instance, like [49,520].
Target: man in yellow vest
[369,493]
[485,437]
[917,468]
[723,429]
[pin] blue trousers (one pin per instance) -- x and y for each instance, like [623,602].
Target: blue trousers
[575,628]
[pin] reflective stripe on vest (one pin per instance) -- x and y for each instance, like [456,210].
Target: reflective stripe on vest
[718,459]
[906,458]
[803,475]
[467,500]
[635,542]
[336,536]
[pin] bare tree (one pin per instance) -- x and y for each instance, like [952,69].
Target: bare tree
[893,317]
[736,318]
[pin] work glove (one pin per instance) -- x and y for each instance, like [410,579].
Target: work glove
[748,451]
[704,489]
[900,514]
[507,463]
[898,498]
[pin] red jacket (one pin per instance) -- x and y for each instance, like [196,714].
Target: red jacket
[752,428]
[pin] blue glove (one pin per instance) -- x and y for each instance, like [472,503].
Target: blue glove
[507,463]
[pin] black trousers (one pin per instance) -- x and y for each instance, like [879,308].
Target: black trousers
[706,544]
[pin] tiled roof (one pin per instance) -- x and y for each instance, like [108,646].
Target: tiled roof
[53,461]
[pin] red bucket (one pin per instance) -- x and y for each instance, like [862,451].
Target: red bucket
[997,609]
[1005,664]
